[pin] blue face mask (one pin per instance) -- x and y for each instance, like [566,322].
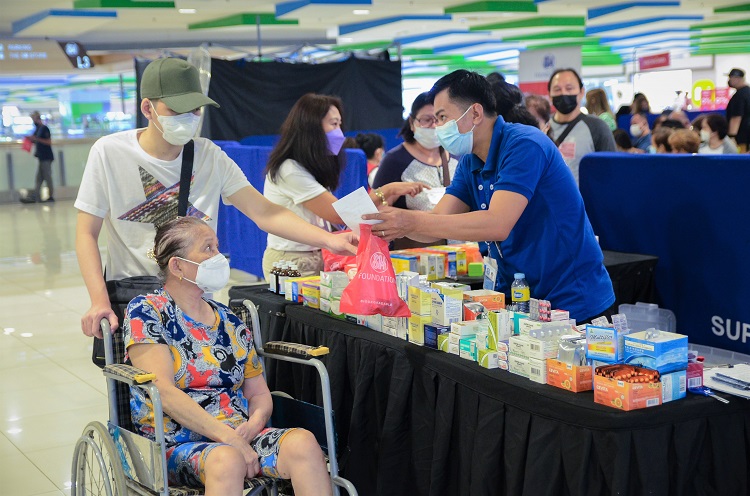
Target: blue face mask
[453,140]
[651,149]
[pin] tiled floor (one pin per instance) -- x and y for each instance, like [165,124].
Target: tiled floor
[49,389]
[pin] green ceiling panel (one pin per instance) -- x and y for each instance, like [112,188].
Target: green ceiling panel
[370,45]
[551,35]
[533,22]
[508,6]
[121,4]
[722,34]
[247,19]
[611,59]
[733,40]
[744,7]
[412,51]
[728,24]
[721,50]
[581,42]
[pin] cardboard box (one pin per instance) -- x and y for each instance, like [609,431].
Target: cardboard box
[470,327]
[518,365]
[445,309]
[606,344]
[499,327]
[503,346]
[542,349]
[453,349]
[453,289]
[673,386]
[482,338]
[461,265]
[416,328]
[472,310]
[517,318]
[503,364]
[625,395]
[487,359]
[694,374]
[403,281]
[432,332]
[334,280]
[492,300]
[538,371]
[525,326]
[661,351]
[519,346]
[293,287]
[311,294]
[567,376]
[420,299]
[467,348]
[374,322]
[442,342]
[325,305]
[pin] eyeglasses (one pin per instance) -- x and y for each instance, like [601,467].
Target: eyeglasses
[426,120]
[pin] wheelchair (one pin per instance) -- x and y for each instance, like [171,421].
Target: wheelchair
[113,460]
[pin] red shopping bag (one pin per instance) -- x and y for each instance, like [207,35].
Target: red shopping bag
[27,144]
[373,290]
[332,262]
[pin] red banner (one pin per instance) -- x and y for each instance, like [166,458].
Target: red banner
[653,61]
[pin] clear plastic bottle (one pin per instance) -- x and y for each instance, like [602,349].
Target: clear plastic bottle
[272,278]
[520,292]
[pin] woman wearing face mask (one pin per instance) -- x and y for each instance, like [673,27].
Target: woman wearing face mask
[714,139]
[419,158]
[303,169]
[215,401]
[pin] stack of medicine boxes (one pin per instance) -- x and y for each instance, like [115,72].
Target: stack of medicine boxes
[332,284]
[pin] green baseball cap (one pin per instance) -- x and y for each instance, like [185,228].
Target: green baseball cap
[176,83]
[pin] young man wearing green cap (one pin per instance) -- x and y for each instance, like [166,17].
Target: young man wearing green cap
[131,183]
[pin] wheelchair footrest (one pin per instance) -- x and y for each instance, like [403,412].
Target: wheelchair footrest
[296,350]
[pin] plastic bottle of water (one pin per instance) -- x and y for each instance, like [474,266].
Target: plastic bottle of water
[520,293]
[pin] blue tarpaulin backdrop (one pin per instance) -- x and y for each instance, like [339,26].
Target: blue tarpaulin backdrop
[692,212]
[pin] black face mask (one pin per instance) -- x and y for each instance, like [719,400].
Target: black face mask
[565,104]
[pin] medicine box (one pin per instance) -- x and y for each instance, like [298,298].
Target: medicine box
[293,287]
[625,395]
[528,325]
[472,310]
[334,280]
[403,281]
[694,374]
[420,299]
[416,328]
[499,327]
[542,349]
[518,365]
[442,342]
[482,340]
[467,348]
[453,349]
[325,305]
[469,327]
[487,359]
[568,376]
[374,322]
[673,386]
[445,309]
[519,346]
[517,318]
[453,289]
[604,344]
[492,300]
[538,370]
[432,332]
[403,262]
[503,364]
[658,350]
[311,295]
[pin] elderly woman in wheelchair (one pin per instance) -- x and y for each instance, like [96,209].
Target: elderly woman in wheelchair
[215,399]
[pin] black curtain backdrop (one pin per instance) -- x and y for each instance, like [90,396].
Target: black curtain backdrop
[256,97]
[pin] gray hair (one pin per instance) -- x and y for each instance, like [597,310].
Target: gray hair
[173,239]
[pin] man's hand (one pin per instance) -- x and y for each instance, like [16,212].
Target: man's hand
[343,243]
[397,222]
[92,318]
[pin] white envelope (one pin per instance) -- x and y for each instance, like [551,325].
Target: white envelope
[353,206]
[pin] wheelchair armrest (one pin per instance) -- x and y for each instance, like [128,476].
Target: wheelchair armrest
[128,374]
[296,350]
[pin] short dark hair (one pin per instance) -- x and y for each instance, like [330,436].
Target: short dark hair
[671,123]
[304,141]
[540,105]
[622,139]
[507,95]
[718,124]
[467,87]
[558,71]
[420,101]
[369,142]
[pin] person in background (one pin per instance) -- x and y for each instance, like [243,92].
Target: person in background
[681,117]
[664,116]
[302,171]
[575,133]
[738,110]
[131,185]
[623,143]
[419,158]
[539,107]
[216,402]
[598,105]
[640,131]
[684,141]
[510,104]
[660,140]
[374,147]
[672,124]
[512,189]
[697,123]
[714,139]
[640,105]
[43,140]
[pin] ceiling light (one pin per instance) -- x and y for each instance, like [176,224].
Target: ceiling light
[345,39]
[188,11]
[360,12]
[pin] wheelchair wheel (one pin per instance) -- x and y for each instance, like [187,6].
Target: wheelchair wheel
[97,470]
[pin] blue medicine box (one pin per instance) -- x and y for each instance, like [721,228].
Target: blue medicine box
[662,351]
[431,333]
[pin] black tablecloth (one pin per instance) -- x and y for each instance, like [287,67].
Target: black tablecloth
[419,421]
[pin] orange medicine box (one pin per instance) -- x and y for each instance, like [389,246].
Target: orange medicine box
[567,376]
[625,395]
[492,300]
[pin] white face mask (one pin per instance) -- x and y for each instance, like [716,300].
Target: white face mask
[213,274]
[427,137]
[705,136]
[635,130]
[178,129]
[453,140]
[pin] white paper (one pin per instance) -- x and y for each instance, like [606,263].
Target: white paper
[435,194]
[353,206]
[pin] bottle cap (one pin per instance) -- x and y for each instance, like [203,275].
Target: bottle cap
[519,275]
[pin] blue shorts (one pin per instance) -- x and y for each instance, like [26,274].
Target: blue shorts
[186,462]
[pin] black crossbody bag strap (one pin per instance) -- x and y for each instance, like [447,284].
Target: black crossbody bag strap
[567,131]
[186,173]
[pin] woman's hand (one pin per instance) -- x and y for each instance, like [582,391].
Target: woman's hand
[251,428]
[344,243]
[251,457]
[392,191]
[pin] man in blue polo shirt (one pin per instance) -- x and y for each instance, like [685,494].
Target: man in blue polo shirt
[513,190]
